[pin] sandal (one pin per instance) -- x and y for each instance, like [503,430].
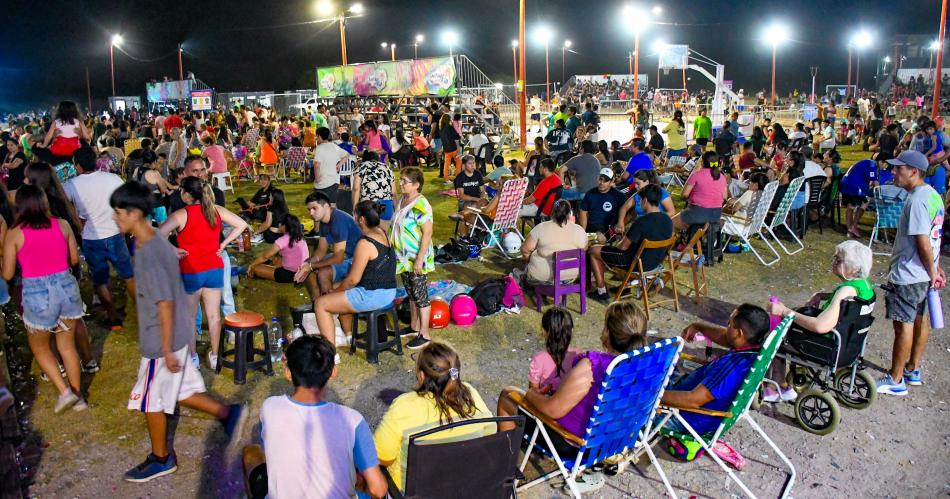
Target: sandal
[728,454]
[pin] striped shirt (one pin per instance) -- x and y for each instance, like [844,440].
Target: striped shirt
[723,378]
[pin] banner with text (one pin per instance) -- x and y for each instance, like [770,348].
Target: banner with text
[201,100]
[418,77]
[168,90]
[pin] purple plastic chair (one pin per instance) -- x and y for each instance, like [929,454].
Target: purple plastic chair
[565,260]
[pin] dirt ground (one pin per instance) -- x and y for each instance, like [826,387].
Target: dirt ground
[896,448]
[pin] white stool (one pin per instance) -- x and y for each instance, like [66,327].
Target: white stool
[222,181]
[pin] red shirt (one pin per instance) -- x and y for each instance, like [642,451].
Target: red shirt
[546,185]
[200,240]
[173,121]
[747,161]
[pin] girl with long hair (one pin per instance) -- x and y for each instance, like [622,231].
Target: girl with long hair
[274,213]
[550,365]
[67,132]
[199,225]
[705,192]
[266,151]
[676,134]
[281,260]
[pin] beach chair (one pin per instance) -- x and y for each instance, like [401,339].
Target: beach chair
[670,174]
[294,159]
[739,410]
[250,138]
[131,145]
[744,229]
[647,277]
[888,217]
[780,217]
[622,418]
[506,215]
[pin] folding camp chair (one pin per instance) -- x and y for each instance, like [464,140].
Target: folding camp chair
[294,159]
[645,277]
[739,410]
[692,257]
[780,217]
[484,156]
[670,174]
[744,229]
[888,217]
[622,418]
[250,138]
[480,467]
[506,215]
[130,145]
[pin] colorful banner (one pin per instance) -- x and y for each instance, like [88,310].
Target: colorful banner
[418,77]
[178,90]
[201,100]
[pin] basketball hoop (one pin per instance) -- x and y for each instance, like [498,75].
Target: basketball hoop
[666,71]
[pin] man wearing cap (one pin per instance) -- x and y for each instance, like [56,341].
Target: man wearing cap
[601,206]
[914,269]
[584,168]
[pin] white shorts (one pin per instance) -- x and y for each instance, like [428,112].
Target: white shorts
[159,390]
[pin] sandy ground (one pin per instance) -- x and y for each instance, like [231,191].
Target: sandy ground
[896,448]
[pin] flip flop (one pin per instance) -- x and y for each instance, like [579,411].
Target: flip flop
[728,454]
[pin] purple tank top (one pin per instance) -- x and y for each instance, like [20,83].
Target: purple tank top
[576,420]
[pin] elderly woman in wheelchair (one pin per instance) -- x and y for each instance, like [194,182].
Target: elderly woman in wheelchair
[831,328]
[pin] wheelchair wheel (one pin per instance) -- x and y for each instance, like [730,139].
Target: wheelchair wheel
[865,389]
[817,412]
[799,378]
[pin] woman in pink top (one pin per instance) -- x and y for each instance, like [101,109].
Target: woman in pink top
[293,251]
[551,364]
[217,161]
[45,247]
[705,192]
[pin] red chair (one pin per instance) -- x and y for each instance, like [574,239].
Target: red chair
[565,260]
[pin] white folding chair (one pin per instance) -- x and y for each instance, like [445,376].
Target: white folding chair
[744,229]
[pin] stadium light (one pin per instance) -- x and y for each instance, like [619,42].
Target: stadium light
[356,8]
[450,38]
[935,45]
[776,34]
[420,38]
[637,19]
[325,8]
[543,35]
[117,40]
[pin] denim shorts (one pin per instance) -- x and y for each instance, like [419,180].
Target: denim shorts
[437,145]
[211,279]
[49,299]
[100,253]
[341,269]
[366,300]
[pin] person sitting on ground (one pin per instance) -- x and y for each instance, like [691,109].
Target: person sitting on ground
[256,208]
[288,466]
[292,250]
[370,283]
[531,205]
[714,386]
[642,179]
[705,191]
[547,238]
[600,208]
[852,265]
[653,226]
[440,397]
[333,256]
[573,402]
[549,366]
[276,210]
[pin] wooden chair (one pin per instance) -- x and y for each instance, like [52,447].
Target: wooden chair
[636,271]
[692,257]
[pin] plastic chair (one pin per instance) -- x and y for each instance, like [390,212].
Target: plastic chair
[744,229]
[622,418]
[559,291]
[645,277]
[346,170]
[222,181]
[476,468]
[375,338]
[484,156]
[816,192]
[244,325]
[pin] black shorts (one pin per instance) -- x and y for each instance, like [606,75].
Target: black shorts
[615,257]
[283,275]
[852,200]
[331,192]
[702,141]
[270,236]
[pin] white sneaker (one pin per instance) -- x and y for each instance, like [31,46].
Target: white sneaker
[212,360]
[80,406]
[770,395]
[789,395]
[336,360]
[65,401]
[342,339]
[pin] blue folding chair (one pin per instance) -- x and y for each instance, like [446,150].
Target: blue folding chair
[626,403]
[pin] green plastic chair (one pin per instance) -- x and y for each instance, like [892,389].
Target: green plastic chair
[739,410]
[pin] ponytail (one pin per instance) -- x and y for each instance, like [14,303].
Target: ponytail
[201,192]
[711,161]
[439,365]
[558,326]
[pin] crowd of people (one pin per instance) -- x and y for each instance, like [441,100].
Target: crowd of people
[138,199]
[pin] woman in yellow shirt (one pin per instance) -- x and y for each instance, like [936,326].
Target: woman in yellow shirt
[676,135]
[440,397]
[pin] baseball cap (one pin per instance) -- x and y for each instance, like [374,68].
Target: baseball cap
[607,172]
[913,159]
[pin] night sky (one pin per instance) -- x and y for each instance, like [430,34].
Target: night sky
[262,45]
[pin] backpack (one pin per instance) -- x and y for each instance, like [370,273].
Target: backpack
[488,296]
[513,296]
[452,252]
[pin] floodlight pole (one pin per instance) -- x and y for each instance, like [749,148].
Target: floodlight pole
[522,90]
[774,49]
[814,72]
[636,65]
[937,76]
[343,37]
[88,91]
[847,89]
[857,74]
[181,72]
[112,65]
[547,74]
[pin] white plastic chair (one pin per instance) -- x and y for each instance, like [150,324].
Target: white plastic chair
[222,181]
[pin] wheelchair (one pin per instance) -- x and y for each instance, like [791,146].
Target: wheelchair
[829,368]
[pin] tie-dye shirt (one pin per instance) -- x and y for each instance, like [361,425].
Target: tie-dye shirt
[407,234]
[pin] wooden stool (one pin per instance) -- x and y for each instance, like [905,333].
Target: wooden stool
[244,325]
[375,337]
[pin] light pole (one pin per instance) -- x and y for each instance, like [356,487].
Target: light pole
[514,64]
[113,43]
[934,47]
[860,40]
[543,35]
[937,76]
[637,20]
[327,9]
[776,34]
[564,47]
[450,38]
[415,45]
[391,47]
[522,90]
[181,71]
[814,72]
[659,47]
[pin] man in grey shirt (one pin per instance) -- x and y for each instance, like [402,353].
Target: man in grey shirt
[914,270]
[585,169]
[166,376]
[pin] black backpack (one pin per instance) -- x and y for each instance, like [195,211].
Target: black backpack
[452,252]
[488,295]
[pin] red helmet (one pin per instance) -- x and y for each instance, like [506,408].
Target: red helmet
[439,314]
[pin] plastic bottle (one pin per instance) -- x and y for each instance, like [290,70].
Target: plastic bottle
[774,320]
[240,243]
[709,348]
[276,336]
[936,309]
[296,333]
[246,239]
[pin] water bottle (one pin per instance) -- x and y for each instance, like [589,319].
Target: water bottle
[240,243]
[774,320]
[709,348]
[936,309]
[296,333]
[276,335]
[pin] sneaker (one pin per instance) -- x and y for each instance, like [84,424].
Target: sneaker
[770,395]
[889,386]
[657,285]
[408,333]
[417,342]
[152,468]
[336,360]
[789,395]
[235,422]
[912,378]
[91,367]
[80,406]
[195,361]
[65,401]
[212,360]
[342,339]
[62,371]
[602,298]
